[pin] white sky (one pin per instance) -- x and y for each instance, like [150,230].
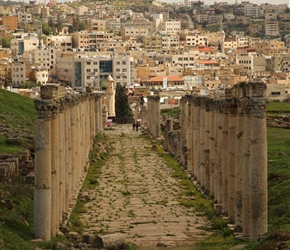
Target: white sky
[208,2]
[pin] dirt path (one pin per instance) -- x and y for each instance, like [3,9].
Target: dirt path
[137,196]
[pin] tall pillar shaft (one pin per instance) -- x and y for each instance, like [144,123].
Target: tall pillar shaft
[239,159]
[54,175]
[225,156]
[42,185]
[231,164]
[258,181]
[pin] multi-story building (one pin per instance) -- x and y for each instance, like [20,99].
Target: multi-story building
[96,25]
[24,17]
[201,18]
[10,22]
[83,70]
[253,10]
[26,42]
[61,42]
[152,43]
[271,28]
[133,32]
[90,40]
[195,39]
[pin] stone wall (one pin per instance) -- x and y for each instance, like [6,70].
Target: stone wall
[65,129]
[223,143]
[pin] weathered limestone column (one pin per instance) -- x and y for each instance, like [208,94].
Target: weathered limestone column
[239,159]
[153,113]
[98,113]
[206,145]
[231,159]
[192,143]
[225,155]
[54,175]
[74,143]
[258,162]
[202,142]
[67,157]
[61,166]
[196,133]
[184,148]
[42,185]
[45,202]
[212,140]
[246,175]
[218,154]
[189,135]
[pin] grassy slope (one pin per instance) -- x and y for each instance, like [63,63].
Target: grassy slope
[16,113]
[16,222]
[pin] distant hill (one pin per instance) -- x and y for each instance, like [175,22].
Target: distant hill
[17,122]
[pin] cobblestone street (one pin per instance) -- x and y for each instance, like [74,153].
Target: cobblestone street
[138,196]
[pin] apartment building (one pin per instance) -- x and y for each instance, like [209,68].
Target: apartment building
[152,43]
[271,28]
[133,32]
[62,42]
[170,42]
[171,27]
[27,43]
[90,40]
[24,17]
[201,18]
[253,10]
[10,22]
[96,25]
[18,72]
[195,39]
[83,70]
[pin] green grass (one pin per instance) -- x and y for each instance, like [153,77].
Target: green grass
[18,115]
[171,112]
[278,107]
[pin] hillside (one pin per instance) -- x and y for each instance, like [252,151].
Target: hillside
[17,126]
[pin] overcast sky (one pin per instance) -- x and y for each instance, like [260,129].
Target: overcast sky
[208,2]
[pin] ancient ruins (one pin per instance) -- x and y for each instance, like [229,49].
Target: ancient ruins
[221,141]
[65,129]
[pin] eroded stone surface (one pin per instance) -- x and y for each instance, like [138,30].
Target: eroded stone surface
[138,197]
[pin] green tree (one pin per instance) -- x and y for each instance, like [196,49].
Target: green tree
[122,107]
[5,42]
[46,29]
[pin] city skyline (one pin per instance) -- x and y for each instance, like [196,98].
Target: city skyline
[209,2]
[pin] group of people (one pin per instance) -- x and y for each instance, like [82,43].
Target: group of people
[135,125]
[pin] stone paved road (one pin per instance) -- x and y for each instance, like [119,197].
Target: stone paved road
[137,196]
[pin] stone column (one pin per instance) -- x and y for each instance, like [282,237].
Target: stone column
[218,155]
[42,185]
[212,139]
[54,175]
[74,143]
[239,157]
[231,160]
[189,135]
[196,134]
[246,175]
[184,149]
[97,113]
[225,157]
[258,162]
[206,146]
[62,178]
[201,142]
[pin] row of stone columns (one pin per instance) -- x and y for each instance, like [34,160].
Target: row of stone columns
[65,128]
[153,115]
[227,152]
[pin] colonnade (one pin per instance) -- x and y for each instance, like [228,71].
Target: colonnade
[226,152]
[65,129]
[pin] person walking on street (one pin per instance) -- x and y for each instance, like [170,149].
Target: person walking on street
[137,125]
[133,125]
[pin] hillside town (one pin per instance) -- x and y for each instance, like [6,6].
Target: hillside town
[186,47]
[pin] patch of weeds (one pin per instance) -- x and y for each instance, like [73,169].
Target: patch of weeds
[125,192]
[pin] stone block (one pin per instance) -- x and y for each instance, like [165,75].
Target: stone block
[52,91]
